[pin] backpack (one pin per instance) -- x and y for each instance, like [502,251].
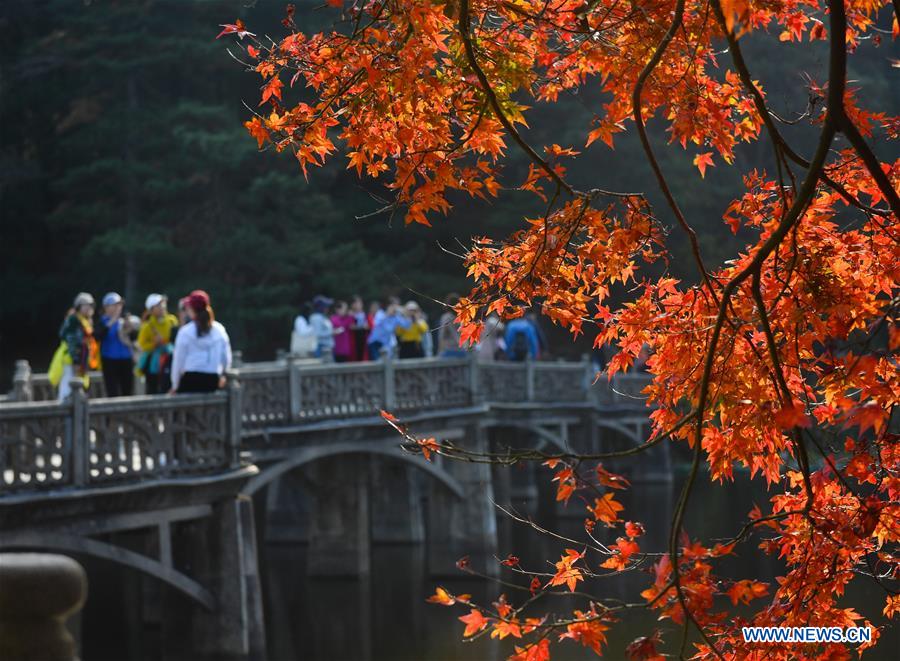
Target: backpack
[519,347]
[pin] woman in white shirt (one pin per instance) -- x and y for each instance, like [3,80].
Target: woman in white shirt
[202,349]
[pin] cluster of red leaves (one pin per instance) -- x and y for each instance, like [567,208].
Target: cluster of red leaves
[586,628]
[425,95]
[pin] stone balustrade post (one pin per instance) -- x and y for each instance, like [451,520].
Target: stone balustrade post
[589,376]
[38,592]
[529,378]
[234,415]
[295,387]
[390,397]
[80,433]
[474,383]
[22,391]
[237,358]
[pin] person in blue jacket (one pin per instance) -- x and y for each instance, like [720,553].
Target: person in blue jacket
[383,339]
[116,349]
[521,340]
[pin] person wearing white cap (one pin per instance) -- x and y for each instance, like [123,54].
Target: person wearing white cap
[155,342]
[116,349]
[78,351]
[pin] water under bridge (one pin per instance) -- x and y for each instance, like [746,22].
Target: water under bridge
[183,488]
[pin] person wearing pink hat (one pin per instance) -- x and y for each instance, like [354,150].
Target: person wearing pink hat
[202,349]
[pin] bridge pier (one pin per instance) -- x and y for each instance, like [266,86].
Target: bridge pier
[396,503]
[224,557]
[287,508]
[339,517]
[467,526]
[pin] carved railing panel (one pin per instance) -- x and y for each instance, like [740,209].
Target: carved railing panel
[265,397]
[135,437]
[42,391]
[34,452]
[559,382]
[340,391]
[503,382]
[429,384]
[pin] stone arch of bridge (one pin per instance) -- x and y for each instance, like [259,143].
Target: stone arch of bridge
[632,430]
[303,456]
[67,543]
[547,434]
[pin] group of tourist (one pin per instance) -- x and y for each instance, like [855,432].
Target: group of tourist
[189,352]
[347,332]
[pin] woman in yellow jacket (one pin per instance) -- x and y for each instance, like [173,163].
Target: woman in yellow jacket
[155,342]
[410,338]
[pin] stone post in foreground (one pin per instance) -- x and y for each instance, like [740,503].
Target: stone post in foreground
[38,592]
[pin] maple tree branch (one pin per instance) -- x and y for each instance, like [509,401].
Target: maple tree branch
[780,143]
[786,396]
[465,27]
[637,112]
[848,128]
[515,455]
[465,35]
[837,73]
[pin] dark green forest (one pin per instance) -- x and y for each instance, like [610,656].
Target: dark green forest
[124,166]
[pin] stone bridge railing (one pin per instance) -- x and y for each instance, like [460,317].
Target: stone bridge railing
[295,392]
[86,441]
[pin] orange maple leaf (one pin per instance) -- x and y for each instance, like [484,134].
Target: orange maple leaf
[444,598]
[428,445]
[588,633]
[610,480]
[892,605]
[744,591]
[606,509]
[566,574]
[474,622]
[539,651]
[505,628]
[272,88]
[702,161]
[793,415]
[634,529]
[624,549]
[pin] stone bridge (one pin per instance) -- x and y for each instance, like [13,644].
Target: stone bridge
[182,488]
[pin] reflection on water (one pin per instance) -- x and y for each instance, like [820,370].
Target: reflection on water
[385,617]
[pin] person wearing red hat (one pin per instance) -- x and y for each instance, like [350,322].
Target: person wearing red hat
[202,349]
